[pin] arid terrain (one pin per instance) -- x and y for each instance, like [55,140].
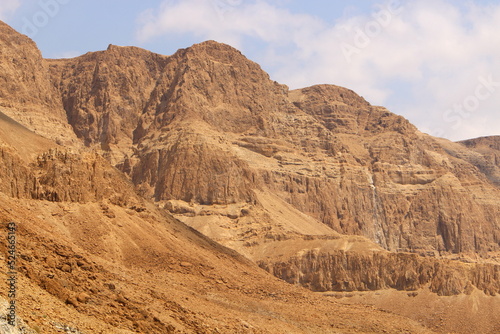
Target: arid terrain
[193,194]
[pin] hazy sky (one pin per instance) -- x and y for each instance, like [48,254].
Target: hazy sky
[436,62]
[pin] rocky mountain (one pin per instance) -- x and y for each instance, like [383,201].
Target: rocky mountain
[121,150]
[26,91]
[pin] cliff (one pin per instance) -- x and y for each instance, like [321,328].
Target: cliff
[352,271]
[488,160]
[26,91]
[93,256]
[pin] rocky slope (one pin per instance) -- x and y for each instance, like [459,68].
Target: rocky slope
[489,159]
[352,271]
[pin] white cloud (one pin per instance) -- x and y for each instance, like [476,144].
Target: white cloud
[420,58]
[227,21]
[7,7]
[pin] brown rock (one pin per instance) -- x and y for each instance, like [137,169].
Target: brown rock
[358,168]
[350,271]
[122,300]
[66,268]
[26,91]
[82,297]
[54,287]
[51,262]
[72,300]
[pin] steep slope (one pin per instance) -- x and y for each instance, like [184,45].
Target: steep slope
[28,144]
[104,94]
[259,169]
[476,313]
[489,161]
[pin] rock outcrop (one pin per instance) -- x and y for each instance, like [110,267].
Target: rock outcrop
[35,168]
[351,271]
[489,160]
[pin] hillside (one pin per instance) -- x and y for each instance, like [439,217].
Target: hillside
[489,159]
[102,260]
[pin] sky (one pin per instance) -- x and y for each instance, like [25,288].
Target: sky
[435,62]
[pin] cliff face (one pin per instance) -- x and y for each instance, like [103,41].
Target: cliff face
[36,168]
[488,157]
[104,94]
[351,271]
[93,256]
[317,185]
[131,115]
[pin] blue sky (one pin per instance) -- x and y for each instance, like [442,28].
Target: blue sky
[436,62]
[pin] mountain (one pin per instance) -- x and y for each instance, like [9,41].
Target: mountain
[96,258]
[167,181]
[208,126]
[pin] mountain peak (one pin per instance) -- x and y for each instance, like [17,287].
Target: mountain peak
[214,46]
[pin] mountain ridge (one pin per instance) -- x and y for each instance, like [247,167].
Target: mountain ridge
[203,93]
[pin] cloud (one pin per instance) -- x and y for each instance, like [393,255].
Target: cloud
[8,7]
[419,58]
[227,21]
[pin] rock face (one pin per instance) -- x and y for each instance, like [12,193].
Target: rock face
[54,173]
[208,126]
[93,256]
[351,271]
[103,101]
[160,131]
[489,160]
